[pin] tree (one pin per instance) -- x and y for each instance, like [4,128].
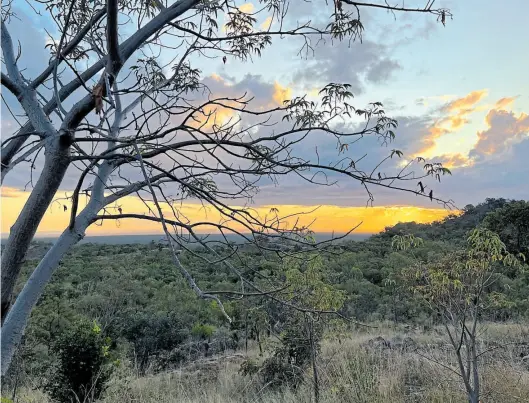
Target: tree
[309,298]
[84,365]
[157,132]
[458,288]
[511,223]
[307,284]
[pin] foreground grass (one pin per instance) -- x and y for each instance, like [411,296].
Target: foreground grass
[350,371]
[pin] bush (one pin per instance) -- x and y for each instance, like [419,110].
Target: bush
[84,364]
[289,359]
[155,335]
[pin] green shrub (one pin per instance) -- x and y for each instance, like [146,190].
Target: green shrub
[84,364]
[289,358]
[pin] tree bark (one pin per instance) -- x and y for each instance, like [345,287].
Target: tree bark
[127,48]
[57,159]
[313,360]
[16,320]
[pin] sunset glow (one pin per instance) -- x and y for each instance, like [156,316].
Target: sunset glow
[326,218]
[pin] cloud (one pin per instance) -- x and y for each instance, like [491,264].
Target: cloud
[266,24]
[382,70]
[452,161]
[504,129]
[32,41]
[437,136]
[492,162]
[504,175]
[452,116]
[247,8]
[263,93]
[428,100]
[465,104]
[357,64]
[281,94]
[10,192]
[504,102]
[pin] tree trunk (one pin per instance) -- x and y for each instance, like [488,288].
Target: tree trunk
[22,232]
[313,361]
[473,397]
[246,332]
[16,320]
[258,337]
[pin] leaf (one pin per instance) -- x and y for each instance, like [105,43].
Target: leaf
[393,152]
[97,93]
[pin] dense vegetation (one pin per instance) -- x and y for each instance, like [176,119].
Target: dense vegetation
[145,312]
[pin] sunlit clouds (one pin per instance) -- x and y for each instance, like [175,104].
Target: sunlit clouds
[281,94]
[504,128]
[466,104]
[456,137]
[455,115]
[266,24]
[247,8]
[505,102]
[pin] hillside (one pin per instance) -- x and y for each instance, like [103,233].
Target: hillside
[156,322]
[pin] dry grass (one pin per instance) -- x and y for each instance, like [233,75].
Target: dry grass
[349,371]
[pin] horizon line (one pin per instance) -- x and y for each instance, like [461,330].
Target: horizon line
[56,234]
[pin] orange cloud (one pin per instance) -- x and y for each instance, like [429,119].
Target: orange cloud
[434,132]
[281,94]
[504,102]
[504,127]
[214,114]
[457,111]
[266,24]
[246,8]
[211,115]
[457,121]
[466,103]
[328,218]
[454,160]
[10,192]
[216,77]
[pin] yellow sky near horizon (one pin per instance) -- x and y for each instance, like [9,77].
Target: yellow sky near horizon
[325,218]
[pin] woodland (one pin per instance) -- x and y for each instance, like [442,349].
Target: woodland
[152,323]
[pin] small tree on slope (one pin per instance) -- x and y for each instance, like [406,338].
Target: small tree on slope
[458,288]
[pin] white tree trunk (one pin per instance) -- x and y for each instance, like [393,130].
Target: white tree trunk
[17,318]
[25,227]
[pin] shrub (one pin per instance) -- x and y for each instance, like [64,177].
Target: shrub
[84,364]
[289,358]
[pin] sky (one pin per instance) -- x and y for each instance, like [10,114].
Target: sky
[459,92]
